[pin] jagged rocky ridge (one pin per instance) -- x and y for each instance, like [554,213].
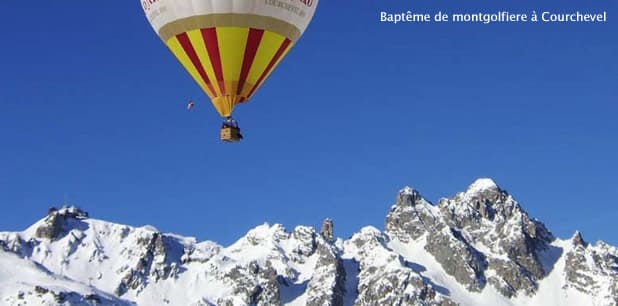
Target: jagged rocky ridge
[477,248]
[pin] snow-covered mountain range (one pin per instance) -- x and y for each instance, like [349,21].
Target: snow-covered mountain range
[477,248]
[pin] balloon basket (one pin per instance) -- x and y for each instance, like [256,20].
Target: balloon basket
[230,134]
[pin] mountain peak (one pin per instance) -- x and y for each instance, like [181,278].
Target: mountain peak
[482,184]
[408,196]
[407,190]
[59,221]
[70,211]
[577,239]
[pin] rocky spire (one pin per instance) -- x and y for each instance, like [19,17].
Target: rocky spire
[578,240]
[327,229]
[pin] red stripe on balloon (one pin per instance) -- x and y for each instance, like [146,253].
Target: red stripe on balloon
[212,46]
[185,42]
[270,65]
[253,42]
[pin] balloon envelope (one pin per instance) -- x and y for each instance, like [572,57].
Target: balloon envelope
[229,47]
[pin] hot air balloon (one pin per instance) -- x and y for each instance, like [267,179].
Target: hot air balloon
[229,47]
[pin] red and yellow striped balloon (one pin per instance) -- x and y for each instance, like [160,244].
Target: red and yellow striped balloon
[229,47]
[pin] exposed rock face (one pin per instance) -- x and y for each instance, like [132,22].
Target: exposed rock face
[154,262]
[52,226]
[593,270]
[457,257]
[484,217]
[577,270]
[510,278]
[385,277]
[327,284]
[252,285]
[504,228]
[445,254]
[411,217]
[327,229]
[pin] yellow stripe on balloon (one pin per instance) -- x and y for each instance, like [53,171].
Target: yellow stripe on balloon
[232,44]
[277,63]
[266,51]
[174,45]
[197,41]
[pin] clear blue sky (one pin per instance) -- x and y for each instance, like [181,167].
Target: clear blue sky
[92,105]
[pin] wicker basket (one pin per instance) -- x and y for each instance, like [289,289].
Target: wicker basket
[230,134]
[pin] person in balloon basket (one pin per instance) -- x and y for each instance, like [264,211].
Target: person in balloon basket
[231,123]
